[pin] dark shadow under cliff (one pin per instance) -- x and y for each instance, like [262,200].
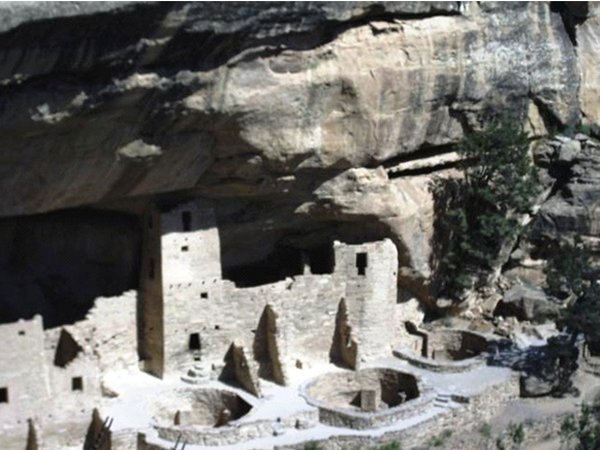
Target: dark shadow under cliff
[56,264]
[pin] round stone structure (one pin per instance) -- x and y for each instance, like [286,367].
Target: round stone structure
[367,398]
[204,416]
[205,407]
[448,350]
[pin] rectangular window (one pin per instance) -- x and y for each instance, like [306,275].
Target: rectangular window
[204,295]
[77,384]
[3,395]
[185,248]
[361,263]
[186,220]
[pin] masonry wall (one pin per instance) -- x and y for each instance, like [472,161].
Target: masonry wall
[112,324]
[23,373]
[222,314]
[371,292]
[304,310]
[190,247]
[44,391]
[204,315]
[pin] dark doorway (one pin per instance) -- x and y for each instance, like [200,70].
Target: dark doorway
[3,395]
[194,342]
[361,263]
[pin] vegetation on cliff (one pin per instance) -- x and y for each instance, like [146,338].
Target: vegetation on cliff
[499,185]
[572,276]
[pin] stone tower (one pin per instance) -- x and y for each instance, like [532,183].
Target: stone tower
[181,253]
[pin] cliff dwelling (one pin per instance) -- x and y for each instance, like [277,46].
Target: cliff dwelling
[215,356]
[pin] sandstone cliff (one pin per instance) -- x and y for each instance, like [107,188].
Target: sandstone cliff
[302,121]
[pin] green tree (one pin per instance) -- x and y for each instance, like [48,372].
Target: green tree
[571,275]
[483,208]
[582,432]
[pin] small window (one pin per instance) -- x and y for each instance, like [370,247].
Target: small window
[77,384]
[3,395]
[194,343]
[21,332]
[151,269]
[186,220]
[361,263]
[204,295]
[185,248]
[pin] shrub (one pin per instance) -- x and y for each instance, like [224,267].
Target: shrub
[583,431]
[572,273]
[485,430]
[311,446]
[394,445]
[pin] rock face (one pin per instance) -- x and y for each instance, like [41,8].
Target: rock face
[526,303]
[588,40]
[292,117]
[574,171]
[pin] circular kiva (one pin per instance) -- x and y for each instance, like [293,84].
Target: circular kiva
[448,350]
[368,398]
[207,407]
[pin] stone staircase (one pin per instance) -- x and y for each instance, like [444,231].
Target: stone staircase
[443,401]
[196,374]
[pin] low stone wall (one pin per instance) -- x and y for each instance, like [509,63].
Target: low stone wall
[332,393]
[591,363]
[476,409]
[439,365]
[238,431]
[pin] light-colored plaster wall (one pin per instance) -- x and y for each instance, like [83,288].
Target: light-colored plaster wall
[304,308]
[189,256]
[193,298]
[112,323]
[24,371]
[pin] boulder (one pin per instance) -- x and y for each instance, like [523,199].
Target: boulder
[526,303]
[569,151]
[536,386]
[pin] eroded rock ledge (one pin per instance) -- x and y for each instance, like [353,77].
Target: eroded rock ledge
[294,118]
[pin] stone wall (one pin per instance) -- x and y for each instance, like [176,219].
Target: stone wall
[475,409]
[57,393]
[304,310]
[24,374]
[370,273]
[198,307]
[190,248]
